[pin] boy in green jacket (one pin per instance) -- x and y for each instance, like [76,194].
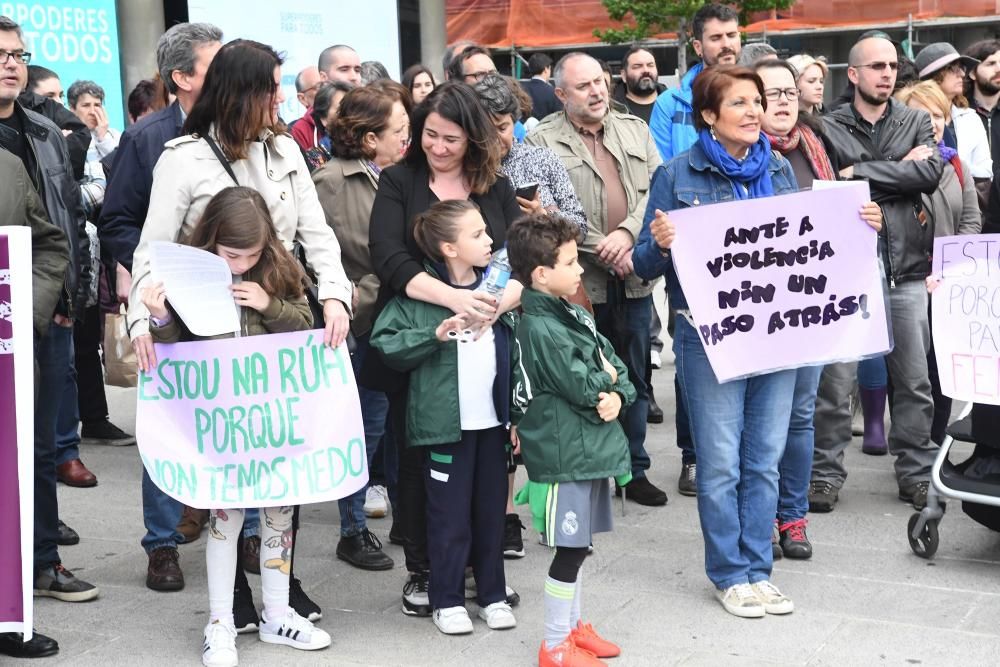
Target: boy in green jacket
[569,388]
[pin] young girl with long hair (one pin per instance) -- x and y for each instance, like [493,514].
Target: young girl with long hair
[237,226]
[458,407]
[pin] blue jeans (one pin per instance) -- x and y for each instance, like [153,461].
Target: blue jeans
[68,419]
[54,356]
[796,463]
[374,409]
[251,522]
[739,430]
[160,514]
[872,373]
[632,346]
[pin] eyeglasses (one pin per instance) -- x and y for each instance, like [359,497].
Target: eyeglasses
[479,76]
[879,66]
[20,57]
[774,94]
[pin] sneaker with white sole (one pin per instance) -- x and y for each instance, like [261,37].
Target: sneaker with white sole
[376,502]
[741,600]
[293,630]
[220,645]
[498,616]
[773,600]
[472,592]
[453,621]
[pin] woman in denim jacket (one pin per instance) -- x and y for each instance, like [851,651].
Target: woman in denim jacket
[739,426]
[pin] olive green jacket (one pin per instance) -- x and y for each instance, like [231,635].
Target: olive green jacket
[20,206]
[627,138]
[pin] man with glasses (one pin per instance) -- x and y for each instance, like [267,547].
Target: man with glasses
[41,148]
[892,147]
[471,64]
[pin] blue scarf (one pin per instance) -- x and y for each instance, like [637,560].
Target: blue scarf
[751,172]
[947,152]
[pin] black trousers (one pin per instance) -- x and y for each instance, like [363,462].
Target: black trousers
[411,511]
[466,510]
[91,399]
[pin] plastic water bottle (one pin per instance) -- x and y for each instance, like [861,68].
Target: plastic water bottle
[497,274]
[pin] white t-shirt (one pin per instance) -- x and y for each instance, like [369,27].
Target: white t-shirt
[477,371]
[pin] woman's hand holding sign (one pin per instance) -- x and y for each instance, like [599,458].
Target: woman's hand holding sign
[663,230]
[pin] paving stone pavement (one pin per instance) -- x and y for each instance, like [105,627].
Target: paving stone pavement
[863,599]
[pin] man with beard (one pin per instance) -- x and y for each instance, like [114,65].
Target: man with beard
[639,86]
[716,33]
[983,91]
[610,157]
[891,146]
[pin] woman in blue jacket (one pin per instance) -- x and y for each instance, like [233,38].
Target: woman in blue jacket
[739,427]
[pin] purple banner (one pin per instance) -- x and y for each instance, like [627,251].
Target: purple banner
[16,410]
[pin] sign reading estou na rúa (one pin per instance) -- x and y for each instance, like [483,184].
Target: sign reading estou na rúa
[258,421]
[782,282]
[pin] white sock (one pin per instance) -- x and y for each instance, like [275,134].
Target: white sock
[558,604]
[224,528]
[275,559]
[574,610]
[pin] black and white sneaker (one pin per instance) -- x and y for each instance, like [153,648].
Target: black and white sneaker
[293,630]
[415,599]
[220,646]
[513,541]
[57,582]
[301,603]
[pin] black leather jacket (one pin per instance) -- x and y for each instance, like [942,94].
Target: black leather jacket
[907,236]
[52,173]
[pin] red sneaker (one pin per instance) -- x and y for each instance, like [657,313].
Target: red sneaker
[587,638]
[567,654]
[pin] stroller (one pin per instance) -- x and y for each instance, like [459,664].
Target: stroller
[975,481]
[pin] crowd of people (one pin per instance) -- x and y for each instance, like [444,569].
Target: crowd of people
[374,216]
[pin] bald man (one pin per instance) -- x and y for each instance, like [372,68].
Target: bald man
[892,147]
[340,63]
[306,84]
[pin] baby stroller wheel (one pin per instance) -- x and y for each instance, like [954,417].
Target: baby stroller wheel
[926,543]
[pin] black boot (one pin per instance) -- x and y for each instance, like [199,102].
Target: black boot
[654,414]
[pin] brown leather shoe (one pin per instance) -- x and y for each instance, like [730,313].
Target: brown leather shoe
[250,558]
[74,473]
[191,523]
[164,572]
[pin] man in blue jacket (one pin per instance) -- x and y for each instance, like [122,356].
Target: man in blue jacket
[183,55]
[717,42]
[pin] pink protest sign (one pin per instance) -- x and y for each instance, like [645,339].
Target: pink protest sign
[259,421]
[965,314]
[782,282]
[17,441]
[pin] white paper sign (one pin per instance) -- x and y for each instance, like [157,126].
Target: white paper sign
[197,287]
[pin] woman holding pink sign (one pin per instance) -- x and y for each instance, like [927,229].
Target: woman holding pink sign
[738,426]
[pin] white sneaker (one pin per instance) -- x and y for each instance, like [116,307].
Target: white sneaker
[498,616]
[741,600]
[654,359]
[220,646]
[453,621]
[773,600]
[293,630]
[376,502]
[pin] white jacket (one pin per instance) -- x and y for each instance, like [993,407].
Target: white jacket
[188,175]
[973,145]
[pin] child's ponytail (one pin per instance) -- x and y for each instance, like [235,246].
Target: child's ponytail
[439,224]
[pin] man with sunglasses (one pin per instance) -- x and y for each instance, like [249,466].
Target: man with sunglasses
[892,147]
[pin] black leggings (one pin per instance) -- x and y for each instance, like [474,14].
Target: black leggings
[566,563]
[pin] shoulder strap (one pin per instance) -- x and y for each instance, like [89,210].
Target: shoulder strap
[222,158]
[957,164]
